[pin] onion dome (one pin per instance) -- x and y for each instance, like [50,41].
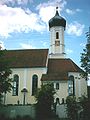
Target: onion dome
[57,20]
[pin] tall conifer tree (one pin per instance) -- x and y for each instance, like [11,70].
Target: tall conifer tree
[85,56]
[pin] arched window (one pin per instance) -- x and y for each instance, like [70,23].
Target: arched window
[57,35]
[71,87]
[57,86]
[15,85]
[57,101]
[57,42]
[34,84]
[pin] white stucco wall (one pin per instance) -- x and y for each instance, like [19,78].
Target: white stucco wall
[80,84]
[25,81]
[63,90]
[54,49]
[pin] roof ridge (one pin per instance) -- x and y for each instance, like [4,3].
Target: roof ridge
[27,58]
[74,65]
[27,49]
[59,58]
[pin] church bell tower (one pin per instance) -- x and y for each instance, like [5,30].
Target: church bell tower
[57,26]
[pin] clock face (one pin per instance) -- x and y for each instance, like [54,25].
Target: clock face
[57,43]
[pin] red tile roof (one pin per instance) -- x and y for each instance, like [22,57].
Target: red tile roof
[62,65]
[27,58]
[58,69]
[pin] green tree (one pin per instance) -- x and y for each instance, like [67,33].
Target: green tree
[72,108]
[85,56]
[85,104]
[45,99]
[5,81]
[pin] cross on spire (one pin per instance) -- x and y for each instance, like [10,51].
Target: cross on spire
[56,8]
[57,4]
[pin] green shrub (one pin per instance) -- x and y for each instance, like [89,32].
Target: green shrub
[72,108]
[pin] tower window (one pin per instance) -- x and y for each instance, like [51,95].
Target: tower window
[57,35]
[34,84]
[15,85]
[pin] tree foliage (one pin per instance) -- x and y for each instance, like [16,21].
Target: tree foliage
[85,56]
[5,81]
[85,104]
[72,108]
[78,109]
[45,99]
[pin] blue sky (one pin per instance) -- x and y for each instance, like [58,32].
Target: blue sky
[24,24]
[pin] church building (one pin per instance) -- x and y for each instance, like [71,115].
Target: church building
[33,67]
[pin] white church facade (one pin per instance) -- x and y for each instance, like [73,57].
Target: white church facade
[33,67]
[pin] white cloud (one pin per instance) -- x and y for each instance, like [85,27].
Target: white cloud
[2,45]
[26,46]
[47,10]
[13,2]
[78,10]
[69,51]
[60,3]
[24,2]
[46,13]
[75,28]
[44,44]
[71,11]
[82,44]
[16,20]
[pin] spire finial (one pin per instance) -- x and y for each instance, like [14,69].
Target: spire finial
[56,8]
[57,11]
[57,4]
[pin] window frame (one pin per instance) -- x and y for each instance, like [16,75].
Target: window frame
[34,84]
[71,86]
[57,86]
[57,35]
[15,88]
